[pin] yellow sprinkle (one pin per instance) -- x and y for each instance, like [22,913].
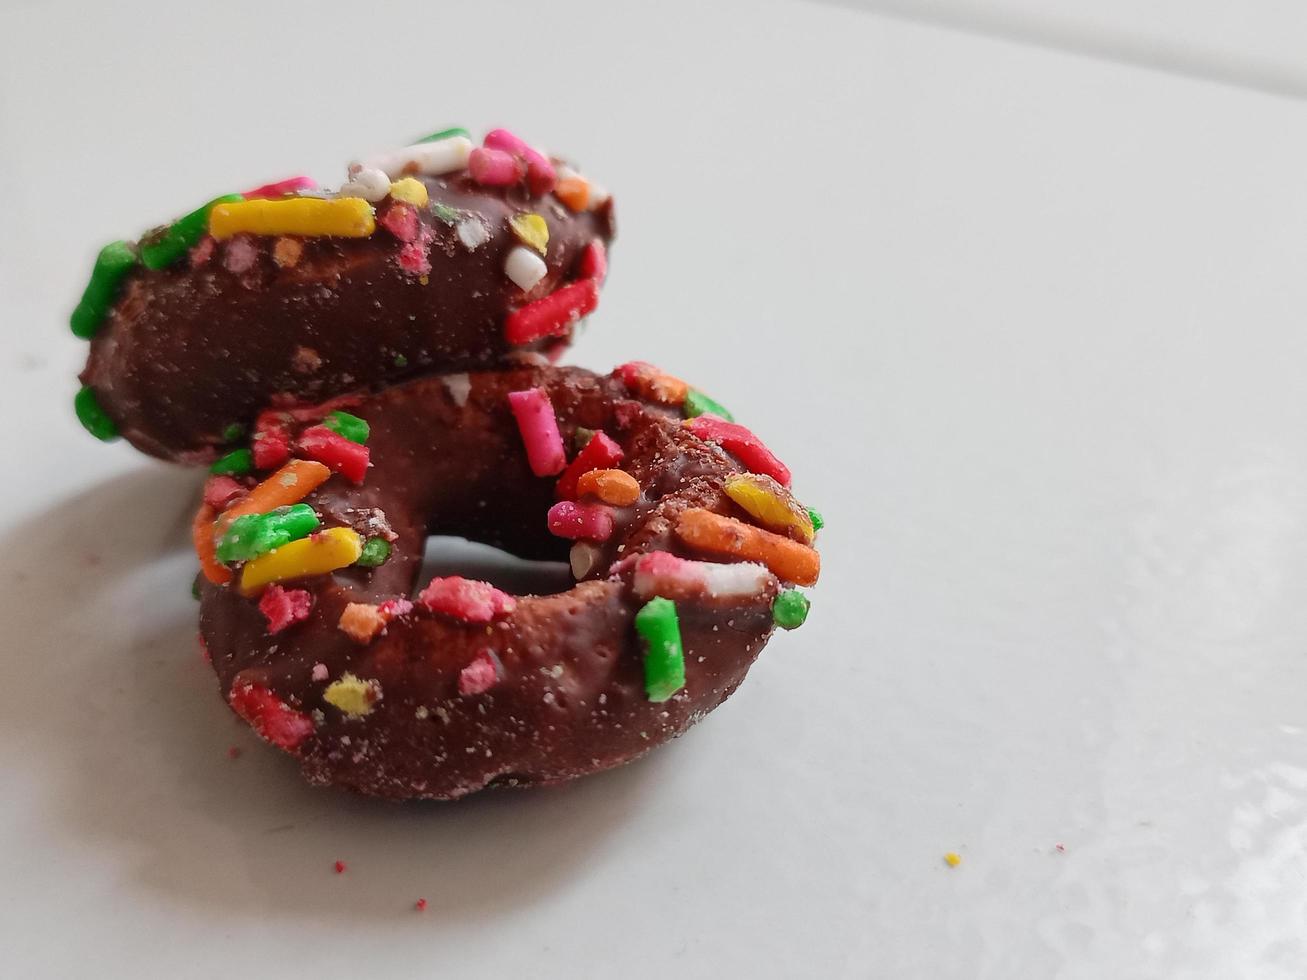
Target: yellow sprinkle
[531,230]
[352,695]
[951,859]
[771,504]
[410,189]
[319,554]
[345,217]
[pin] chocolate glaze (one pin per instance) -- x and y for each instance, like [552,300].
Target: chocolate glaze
[193,348]
[570,699]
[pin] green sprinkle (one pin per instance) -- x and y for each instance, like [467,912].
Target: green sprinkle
[235,463]
[581,438]
[163,249]
[375,552]
[817,522]
[664,661]
[257,534]
[195,588]
[445,213]
[114,261]
[401,361]
[351,427]
[233,432]
[697,403]
[93,418]
[790,609]
[445,134]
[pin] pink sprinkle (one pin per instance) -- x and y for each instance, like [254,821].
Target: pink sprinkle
[502,139]
[594,261]
[319,672]
[465,599]
[479,676]
[539,427]
[339,867]
[279,187]
[284,607]
[392,609]
[1061,848]
[420,905]
[241,255]
[414,257]
[401,220]
[202,252]
[743,444]
[495,168]
[220,491]
[589,522]
[272,719]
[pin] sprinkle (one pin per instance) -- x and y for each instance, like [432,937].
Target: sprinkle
[368,183]
[599,453]
[652,382]
[352,695]
[445,213]
[420,905]
[741,443]
[284,607]
[375,552]
[195,587]
[478,676]
[591,522]
[771,505]
[659,573]
[459,387]
[715,534]
[271,442]
[472,232]
[445,134]
[411,191]
[339,867]
[347,458]
[697,403]
[324,552]
[818,522]
[952,859]
[94,419]
[615,487]
[401,220]
[202,541]
[272,719]
[790,609]
[232,431]
[349,426]
[414,256]
[539,428]
[466,599]
[319,672]
[252,535]
[235,463]
[401,361]
[241,255]
[278,188]
[162,250]
[289,485]
[664,660]
[525,268]
[361,621]
[531,230]
[113,263]
[573,191]
[553,315]
[346,217]
[540,174]
[442,156]
[594,261]
[583,558]
[495,168]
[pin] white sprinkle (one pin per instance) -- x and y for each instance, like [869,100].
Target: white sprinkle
[525,267]
[459,387]
[472,232]
[368,183]
[432,159]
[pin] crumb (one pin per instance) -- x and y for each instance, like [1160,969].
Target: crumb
[233,753]
[339,867]
[420,905]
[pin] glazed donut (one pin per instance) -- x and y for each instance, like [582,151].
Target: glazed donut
[439,257]
[682,536]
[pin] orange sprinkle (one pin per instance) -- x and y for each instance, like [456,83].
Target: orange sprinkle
[289,485]
[361,621]
[202,539]
[574,192]
[718,535]
[615,487]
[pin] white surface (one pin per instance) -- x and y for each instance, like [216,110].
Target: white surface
[1028,329]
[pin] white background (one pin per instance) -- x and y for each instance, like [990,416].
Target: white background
[1026,321]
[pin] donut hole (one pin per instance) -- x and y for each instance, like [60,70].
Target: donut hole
[446,554]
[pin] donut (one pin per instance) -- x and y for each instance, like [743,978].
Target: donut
[435,258]
[684,543]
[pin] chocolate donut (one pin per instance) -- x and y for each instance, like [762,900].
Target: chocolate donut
[440,257]
[681,534]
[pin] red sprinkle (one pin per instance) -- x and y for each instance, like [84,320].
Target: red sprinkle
[272,719]
[415,257]
[478,676]
[401,220]
[284,607]
[340,867]
[553,315]
[271,442]
[466,599]
[587,522]
[742,443]
[600,453]
[279,187]
[420,905]
[221,491]
[594,261]
[349,459]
